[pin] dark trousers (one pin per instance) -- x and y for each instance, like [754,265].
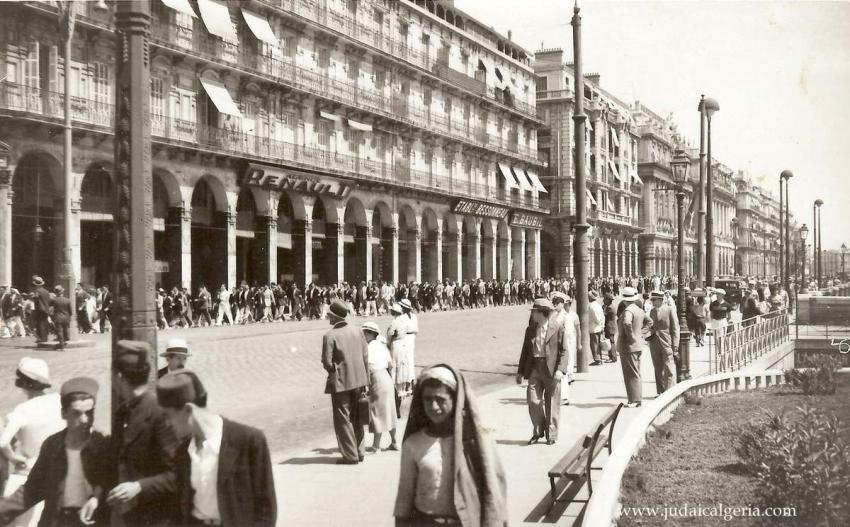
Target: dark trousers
[594,346]
[349,435]
[63,330]
[103,318]
[203,314]
[544,400]
[630,363]
[41,325]
[69,517]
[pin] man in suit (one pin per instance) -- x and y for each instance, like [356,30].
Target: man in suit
[345,358]
[41,308]
[145,443]
[224,470]
[105,308]
[60,312]
[176,353]
[632,329]
[663,342]
[543,362]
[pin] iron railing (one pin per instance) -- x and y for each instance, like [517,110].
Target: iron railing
[737,345]
[16,98]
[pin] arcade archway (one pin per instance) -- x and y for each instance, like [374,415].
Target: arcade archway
[96,227]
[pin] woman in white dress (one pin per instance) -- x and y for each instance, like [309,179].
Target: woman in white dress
[382,408]
[397,342]
[412,331]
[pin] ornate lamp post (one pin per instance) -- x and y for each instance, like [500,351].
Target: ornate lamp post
[734,225]
[710,106]
[700,248]
[786,243]
[804,233]
[817,243]
[680,164]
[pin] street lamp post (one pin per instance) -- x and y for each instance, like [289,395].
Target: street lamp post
[804,233]
[710,106]
[734,224]
[680,164]
[700,248]
[816,242]
[786,244]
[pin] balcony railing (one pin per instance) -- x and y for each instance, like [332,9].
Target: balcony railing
[613,217]
[284,70]
[374,37]
[15,98]
[554,94]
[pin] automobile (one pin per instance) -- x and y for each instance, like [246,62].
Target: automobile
[733,287]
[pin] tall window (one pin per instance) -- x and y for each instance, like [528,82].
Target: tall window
[157,97]
[542,83]
[353,69]
[290,47]
[323,58]
[323,133]
[100,74]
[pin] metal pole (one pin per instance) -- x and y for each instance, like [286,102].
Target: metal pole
[134,278]
[803,288]
[700,248]
[709,219]
[67,255]
[787,245]
[684,334]
[819,249]
[580,254]
[781,233]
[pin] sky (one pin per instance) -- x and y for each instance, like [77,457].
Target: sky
[779,70]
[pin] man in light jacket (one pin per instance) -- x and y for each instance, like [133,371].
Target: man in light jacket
[596,323]
[663,342]
[632,329]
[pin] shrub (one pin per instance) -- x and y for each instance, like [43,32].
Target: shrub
[817,380]
[800,461]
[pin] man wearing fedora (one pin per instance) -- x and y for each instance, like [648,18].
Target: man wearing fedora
[176,353]
[663,342]
[223,468]
[41,308]
[345,356]
[145,443]
[543,361]
[633,327]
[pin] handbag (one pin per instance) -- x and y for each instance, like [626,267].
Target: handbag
[364,417]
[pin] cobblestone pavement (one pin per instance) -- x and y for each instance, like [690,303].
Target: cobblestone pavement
[270,375]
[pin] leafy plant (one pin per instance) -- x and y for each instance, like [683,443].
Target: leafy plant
[800,461]
[816,380]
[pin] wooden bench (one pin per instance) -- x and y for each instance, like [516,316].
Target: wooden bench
[576,463]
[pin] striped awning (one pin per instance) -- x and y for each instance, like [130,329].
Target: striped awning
[508,176]
[590,199]
[216,17]
[614,170]
[260,27]
[221,97]
[524,183]
[356,125]
[182,6]
[536,181]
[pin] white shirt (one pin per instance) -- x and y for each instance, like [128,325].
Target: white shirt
[77,490]
[596,322]
[33,421]
[379,355]
[204,474]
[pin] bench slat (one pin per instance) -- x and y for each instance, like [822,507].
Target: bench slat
[572,454]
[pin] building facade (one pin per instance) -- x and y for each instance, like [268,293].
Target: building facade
[614,188]
[758,242]
[341,140]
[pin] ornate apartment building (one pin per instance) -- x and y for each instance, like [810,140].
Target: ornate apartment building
[614,188]
[306,140]
[757,238]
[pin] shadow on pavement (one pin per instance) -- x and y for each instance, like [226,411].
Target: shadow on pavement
[591,405]
[321,460]
[513,442]
[547,511]
[514,400]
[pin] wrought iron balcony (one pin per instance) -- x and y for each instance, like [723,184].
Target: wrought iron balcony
[22,101]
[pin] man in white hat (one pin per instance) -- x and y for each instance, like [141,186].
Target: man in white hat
[572,338]
[176,353]
[632,329]
[31,422]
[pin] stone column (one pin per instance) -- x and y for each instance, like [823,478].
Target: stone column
[505,260]
[537,255]
[460,251]
[271,248]
[635,259]
[395,248]
[6,197]
[340,251]
[477,248]
[369,247]
[308,250]
[519,257]
[76,233]
[186,248]
[417,251]
[439,248]
[231,249]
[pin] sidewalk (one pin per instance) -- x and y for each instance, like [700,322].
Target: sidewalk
[313,491]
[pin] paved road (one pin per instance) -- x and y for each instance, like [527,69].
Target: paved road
[270,375]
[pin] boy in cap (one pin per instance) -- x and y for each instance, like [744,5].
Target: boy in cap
[145,443]
[176,353]
[345,357]
[211,490]
[74,466]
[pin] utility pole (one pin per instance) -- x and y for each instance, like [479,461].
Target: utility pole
[580,255]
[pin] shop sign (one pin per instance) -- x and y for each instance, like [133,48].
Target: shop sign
[518,219]
[480,209]
[276,179]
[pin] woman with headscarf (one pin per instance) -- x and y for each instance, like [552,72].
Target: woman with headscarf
[382,410]
[397,342]
[450,471]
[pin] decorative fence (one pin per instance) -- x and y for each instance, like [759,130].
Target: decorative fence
[745,342]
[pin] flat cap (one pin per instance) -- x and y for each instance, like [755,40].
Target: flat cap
[131,355]
[177,388]
[85,385]
[542,304]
